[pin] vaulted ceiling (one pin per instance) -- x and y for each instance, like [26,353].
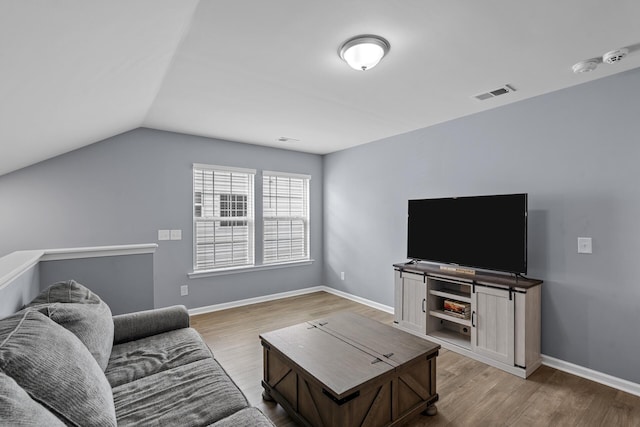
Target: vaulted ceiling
[73,72]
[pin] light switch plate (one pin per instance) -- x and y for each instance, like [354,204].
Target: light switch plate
[176,234]
[584,245]
[164,235]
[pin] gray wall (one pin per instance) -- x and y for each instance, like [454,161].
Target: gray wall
[124,189]
[124,282]
[574,151]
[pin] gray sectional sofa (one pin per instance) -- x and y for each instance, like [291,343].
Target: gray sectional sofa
[64,360]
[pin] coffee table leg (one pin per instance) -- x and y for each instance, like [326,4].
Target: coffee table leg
[267,396]
[430,411]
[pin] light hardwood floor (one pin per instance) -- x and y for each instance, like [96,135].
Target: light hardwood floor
[471,393]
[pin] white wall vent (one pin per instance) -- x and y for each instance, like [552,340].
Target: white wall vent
[496,92]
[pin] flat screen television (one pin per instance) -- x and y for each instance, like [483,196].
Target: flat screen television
[484,232]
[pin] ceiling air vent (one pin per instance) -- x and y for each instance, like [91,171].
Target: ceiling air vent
[495,92]
[287,139]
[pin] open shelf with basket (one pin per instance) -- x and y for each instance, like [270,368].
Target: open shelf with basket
[449,310]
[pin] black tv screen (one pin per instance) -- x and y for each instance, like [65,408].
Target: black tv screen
[484,232]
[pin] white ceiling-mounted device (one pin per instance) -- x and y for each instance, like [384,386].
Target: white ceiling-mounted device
[364,52]
[287,139]
[496,92]
[585,66]
[615,55]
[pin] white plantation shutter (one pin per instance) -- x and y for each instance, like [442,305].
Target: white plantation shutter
[285,205]
[223,217]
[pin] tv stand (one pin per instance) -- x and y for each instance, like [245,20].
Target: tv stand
[490,317]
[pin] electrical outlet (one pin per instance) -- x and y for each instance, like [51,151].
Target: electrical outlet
[184,290]
[584,245]
[342,275]
[176,234]
[164,234]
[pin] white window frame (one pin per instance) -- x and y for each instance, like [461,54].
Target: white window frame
[286,217]
[249,218]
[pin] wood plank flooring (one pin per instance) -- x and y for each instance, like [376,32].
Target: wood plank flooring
[471,393]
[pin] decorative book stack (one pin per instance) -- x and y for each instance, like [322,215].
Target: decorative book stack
[457,309]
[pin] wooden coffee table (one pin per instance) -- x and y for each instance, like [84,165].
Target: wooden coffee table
[349,370]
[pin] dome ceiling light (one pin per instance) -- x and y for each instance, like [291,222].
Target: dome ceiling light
[364,52]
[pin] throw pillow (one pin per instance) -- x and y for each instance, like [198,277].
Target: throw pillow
[79,310]
[18,409]
[68,291]
[56,369]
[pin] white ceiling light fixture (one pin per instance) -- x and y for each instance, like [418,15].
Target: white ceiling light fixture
[364,52]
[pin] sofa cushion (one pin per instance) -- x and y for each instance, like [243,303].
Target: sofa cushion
[133,360]
[195,394]
[79,310]
[55,369]
[248,417]
[18,409]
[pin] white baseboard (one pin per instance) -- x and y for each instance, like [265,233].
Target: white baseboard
[272,297]
[590,374]
[363,301]
[256,300]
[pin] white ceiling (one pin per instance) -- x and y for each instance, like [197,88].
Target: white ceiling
[73,72]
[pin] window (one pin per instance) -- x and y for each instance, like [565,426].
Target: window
[222,217]
[233,205]
[285,204]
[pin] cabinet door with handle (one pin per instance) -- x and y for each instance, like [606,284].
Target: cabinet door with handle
[492,324]
[411,301]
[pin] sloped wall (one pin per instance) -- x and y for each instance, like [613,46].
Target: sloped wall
[124,189]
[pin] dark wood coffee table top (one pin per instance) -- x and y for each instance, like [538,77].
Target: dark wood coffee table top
[394,346]
[346,351]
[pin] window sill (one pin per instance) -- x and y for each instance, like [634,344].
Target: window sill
[235,270]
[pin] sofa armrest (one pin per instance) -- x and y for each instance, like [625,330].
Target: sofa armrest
[141,324]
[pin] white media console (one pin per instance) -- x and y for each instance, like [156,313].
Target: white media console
[500,325]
